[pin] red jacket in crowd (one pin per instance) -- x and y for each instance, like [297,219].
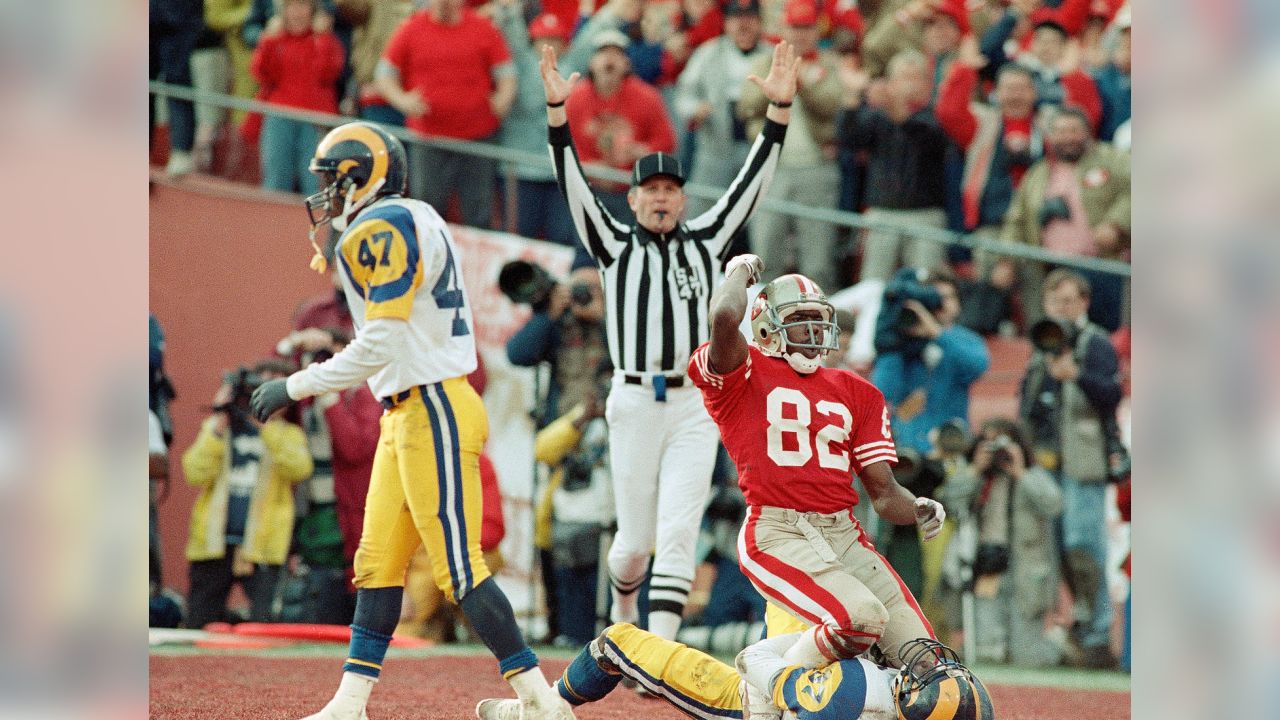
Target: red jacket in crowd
[452,67]
[492,527]
[299,70]
[353,430]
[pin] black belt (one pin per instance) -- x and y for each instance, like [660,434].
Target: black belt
[391,401]
[672,380]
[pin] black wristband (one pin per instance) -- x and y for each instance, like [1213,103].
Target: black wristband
[780,105]
[559,104]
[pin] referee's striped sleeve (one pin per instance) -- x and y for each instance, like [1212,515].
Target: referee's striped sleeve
[602,235]
[717,226]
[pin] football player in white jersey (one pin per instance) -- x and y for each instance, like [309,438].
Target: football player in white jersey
[414,345]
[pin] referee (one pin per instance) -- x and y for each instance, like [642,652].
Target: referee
[658,277]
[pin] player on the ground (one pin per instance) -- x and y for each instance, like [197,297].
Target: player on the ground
[933,685]
[415,345]
[797,433]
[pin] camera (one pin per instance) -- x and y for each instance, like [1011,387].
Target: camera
[580,293]
[1053,337]
[1054,208]
[896,322]
[1000,455]
[243,382]
[526,283]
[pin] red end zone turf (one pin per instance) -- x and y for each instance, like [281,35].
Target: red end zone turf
[258,688]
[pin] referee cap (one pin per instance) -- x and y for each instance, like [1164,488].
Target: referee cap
[654,164]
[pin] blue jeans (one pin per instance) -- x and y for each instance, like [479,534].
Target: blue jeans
[287,147]
[576,603]
[1084,527]
[170,57]
[382,114]
[543,212]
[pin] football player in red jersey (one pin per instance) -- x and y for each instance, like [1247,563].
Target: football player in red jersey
[797,433]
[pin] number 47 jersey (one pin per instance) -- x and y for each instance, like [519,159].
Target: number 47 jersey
[797,440]
[398,260]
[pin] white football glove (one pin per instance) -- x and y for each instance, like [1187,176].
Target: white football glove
[929,517]
[753,263]
[755,704]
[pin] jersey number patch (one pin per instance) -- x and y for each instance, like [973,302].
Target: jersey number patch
[789,413]
[366,255]
[448,292]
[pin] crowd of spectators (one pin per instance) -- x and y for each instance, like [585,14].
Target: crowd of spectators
[1008,119]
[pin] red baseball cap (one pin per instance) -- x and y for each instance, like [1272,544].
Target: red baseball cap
[955,10]
[546,26]
[800,13]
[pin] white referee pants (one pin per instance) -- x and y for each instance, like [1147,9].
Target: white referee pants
[661,457]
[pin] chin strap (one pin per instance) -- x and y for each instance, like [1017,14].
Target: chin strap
[318,263]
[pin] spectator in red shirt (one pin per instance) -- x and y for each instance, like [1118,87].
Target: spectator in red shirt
[1054,58]
[616,118]
[297,62]
[448,70]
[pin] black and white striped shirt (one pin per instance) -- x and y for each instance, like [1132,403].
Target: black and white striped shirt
[657,287]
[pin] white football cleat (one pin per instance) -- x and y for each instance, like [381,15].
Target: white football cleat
[552,707]
[498,709]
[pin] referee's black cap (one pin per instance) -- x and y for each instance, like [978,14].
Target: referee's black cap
[655,164]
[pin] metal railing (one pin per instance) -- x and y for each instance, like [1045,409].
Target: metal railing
[541,161]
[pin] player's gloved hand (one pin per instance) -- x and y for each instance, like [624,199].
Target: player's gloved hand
[929,517]
[753,263]
[268,398]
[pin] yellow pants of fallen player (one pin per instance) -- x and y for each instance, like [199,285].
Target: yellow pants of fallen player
[425,489]
[691,679]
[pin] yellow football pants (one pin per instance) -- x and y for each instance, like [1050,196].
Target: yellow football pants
[692,680]
[425,489]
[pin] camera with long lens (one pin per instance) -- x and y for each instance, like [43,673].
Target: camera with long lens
[526,283]
[896,322]
[580,294]
[243,382]
[1053,337]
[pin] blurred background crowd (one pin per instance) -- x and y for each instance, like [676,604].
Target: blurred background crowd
[1007,377]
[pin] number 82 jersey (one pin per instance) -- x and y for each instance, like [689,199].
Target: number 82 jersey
[796,439]
[399,261]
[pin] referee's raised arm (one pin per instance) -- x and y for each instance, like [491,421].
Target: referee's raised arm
[602,235]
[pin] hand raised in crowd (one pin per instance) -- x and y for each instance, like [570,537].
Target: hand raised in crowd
[970,54]
[780,85]
[853,79]
[557,88]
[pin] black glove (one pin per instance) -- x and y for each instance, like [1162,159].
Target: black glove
[268,398]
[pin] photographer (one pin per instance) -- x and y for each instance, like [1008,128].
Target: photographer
[575,507]
[566,330]
[342,433]
[925,362]
[243,519]
[1013,504]
[1069,398]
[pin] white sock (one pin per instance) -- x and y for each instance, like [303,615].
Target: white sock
[805,652]
[531,685]
[354,688]
[664,624]
[625,608]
